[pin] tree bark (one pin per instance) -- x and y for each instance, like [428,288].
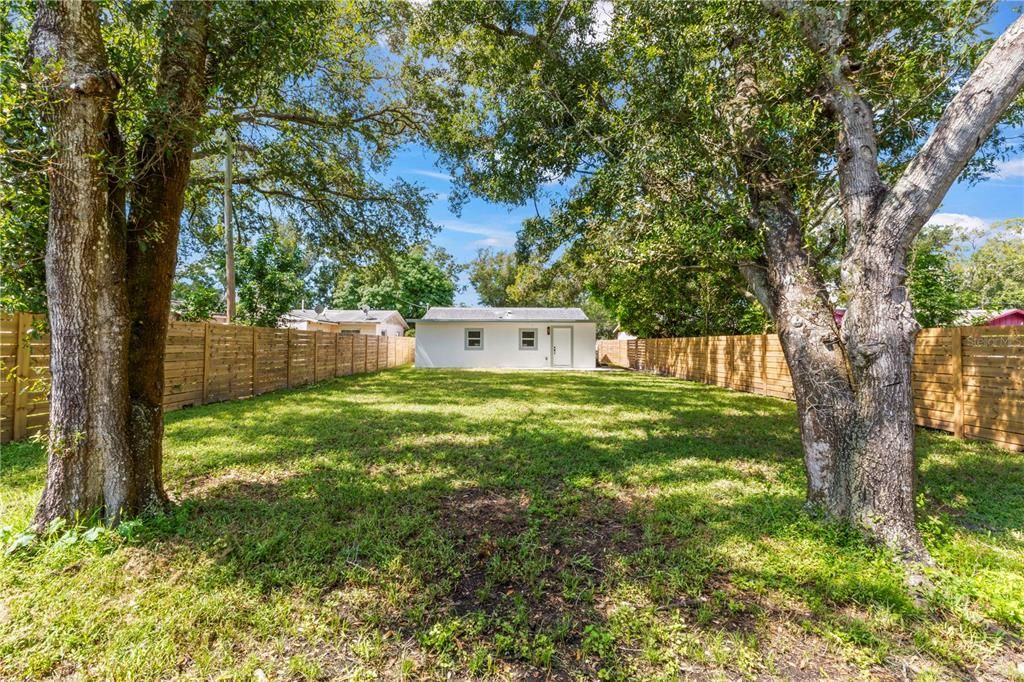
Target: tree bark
[84,273]
[879,328]
[790,288]
[853,383]
[794,295]
[157,197]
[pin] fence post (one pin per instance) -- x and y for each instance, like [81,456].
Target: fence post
[253,361]
[206,358]
[316,355]
[22,381]
[288,360]
[335,335]
[764,363]
[958,383]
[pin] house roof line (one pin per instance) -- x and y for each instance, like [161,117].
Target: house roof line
[504,314]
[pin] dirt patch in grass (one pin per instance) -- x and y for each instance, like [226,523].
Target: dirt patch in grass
[535,567]
[259,485]
[475,513]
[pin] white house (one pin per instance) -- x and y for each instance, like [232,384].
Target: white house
[374,322]
[505,337]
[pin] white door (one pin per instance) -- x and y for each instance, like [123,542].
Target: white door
[561,346]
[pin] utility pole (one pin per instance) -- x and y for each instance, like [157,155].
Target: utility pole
[229,239]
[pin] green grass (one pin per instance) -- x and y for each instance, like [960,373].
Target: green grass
[419,524]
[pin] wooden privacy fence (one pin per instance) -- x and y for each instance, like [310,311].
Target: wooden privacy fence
[204,363]
[966,380]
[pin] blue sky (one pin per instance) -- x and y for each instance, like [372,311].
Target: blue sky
[483,223]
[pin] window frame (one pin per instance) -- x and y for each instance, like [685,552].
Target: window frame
[536,338]
[465,338]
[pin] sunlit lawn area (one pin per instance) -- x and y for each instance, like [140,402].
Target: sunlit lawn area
[421,523]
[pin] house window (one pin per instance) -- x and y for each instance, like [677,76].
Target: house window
[383,333]
[349,332]
[527,339]
[474,339]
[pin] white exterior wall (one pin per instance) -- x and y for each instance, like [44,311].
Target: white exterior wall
[360,327]
[442,344]
[390,328]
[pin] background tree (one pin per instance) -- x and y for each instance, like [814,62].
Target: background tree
[491,273]
[270,280]
[410,284]
[936,288]
[993,273]
[24,198]
[197,294]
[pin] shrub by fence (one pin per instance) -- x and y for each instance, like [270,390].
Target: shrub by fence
[204,363]
[966,380]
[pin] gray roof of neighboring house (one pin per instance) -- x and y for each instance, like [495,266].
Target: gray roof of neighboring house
[505,315]
[341,316]
[302,314]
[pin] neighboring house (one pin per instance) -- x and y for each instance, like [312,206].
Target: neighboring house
[970,317]
[373,322]
[306,320]
[1009,318]
[1013,317]
[505,337]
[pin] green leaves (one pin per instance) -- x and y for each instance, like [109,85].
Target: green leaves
[411,284]
[269,279]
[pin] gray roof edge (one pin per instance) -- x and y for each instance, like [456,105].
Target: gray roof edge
[505,314]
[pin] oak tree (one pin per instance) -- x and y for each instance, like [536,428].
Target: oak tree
[804,144]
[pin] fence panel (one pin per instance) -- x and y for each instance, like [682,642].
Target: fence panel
[965,380]
[203,363]
[301,358]
[372,353]
[185,364]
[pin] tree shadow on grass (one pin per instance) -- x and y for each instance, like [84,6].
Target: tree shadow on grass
[519,513]
[544,522]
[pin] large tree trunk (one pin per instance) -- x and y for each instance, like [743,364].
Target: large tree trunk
[157,198]
[87,463]
[793,292]
[879,330]
[852,387]
[854,393]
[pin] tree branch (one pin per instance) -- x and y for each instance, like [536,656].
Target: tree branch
[860,183]
[315,119]
[962,129]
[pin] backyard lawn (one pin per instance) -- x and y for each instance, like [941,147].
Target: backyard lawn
[421,524]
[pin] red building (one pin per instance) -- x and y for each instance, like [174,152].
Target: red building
[1011,318]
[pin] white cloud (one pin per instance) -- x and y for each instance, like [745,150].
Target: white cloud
[1012,168]
[491,236]
[491,241]
[432,174]
[961,220]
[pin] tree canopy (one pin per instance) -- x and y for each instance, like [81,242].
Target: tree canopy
[491,273]
[410,284]
[312,131]
[630,110]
